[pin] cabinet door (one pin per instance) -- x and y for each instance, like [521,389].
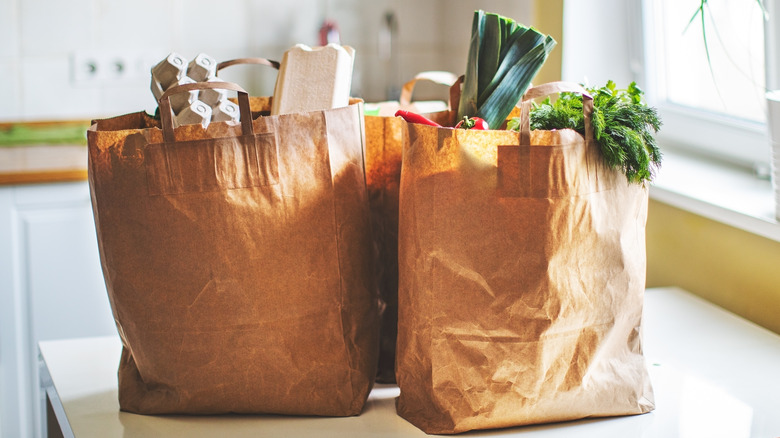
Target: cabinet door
[54,289]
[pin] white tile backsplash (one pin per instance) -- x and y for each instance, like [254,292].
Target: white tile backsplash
[38,47]
[419,23]
[48,94]
[54,28]
[276,23]
[206,26]
[9,28]
[133,24]
[356,20]
[10,97]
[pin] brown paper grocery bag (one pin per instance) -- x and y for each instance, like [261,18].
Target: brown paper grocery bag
[237,261]
[522,273]
[260,105]
[384,145]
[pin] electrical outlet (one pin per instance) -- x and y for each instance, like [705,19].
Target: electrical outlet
[84,68]
[101,68]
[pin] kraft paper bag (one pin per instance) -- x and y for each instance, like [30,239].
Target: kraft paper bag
[237,261]
[259,105]
[521,279]
[384,146]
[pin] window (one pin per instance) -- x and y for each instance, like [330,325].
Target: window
[714,105]
[731,82]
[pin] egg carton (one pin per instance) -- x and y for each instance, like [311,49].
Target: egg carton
[198,106]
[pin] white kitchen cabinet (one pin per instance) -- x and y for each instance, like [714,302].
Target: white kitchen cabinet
[51,287]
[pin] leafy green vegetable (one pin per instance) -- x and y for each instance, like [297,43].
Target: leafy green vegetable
[503,58]
[623,125]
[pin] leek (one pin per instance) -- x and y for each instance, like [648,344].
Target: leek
[504,57]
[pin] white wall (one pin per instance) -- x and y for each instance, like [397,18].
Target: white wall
[40,38]
[597,44]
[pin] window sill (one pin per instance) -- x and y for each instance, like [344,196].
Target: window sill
[717,191]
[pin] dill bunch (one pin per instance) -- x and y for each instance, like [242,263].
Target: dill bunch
[624,126]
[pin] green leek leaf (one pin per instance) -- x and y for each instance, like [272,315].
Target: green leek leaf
[504,57]
[490,50]
[468,101]
[505,96]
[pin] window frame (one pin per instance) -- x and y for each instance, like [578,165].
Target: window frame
[711,135]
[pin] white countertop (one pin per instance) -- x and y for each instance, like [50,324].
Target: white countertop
[714,375]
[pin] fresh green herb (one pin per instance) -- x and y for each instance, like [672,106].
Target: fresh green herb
[503,58]
[624,126]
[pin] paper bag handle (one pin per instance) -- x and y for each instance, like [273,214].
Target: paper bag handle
[546,90]
[166,112]
[437,77]
[242,61]
[455,91]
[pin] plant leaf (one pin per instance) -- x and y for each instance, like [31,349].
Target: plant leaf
[494,82]
[516,46]
[489,51]
[511,87]
[497,45]
[469,93]
[623,126]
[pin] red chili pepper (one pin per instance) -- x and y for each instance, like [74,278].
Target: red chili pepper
[473,123]
[415,118]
